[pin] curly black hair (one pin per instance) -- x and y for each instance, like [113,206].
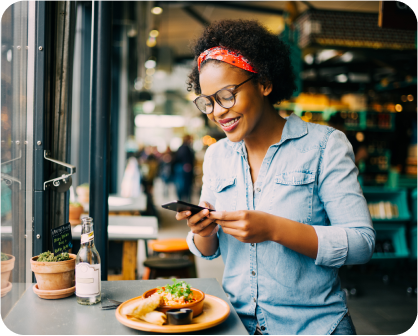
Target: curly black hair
[266,52]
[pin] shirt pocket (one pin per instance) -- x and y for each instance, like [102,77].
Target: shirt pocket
[292,196]
[225,191]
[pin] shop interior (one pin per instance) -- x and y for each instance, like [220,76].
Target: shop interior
[356,71]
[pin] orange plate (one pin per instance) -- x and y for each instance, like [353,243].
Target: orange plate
[215,311]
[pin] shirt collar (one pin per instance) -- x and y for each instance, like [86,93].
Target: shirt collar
[294,128]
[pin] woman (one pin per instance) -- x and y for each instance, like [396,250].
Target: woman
[289,209]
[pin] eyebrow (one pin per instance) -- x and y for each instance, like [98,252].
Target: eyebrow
[219,89]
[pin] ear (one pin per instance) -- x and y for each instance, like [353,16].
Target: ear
[266,88]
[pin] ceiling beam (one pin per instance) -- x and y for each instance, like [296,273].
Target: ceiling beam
[195,15]
[308,4]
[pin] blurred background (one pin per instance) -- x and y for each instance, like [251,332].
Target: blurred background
[356,69]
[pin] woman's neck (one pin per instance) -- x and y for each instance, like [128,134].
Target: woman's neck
[268,132]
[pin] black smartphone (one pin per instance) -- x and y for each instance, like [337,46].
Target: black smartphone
[180,206]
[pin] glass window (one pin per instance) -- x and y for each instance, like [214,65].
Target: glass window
[17,73]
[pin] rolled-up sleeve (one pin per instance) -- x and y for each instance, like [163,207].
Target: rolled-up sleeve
[205,196]
[350,237]
[196,252]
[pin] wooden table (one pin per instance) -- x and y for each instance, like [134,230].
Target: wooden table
[35,316]
[129,229]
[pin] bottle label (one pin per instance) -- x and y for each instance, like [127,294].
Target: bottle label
[87,237]
[87,279]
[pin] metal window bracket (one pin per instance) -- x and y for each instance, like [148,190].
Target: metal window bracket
[64,178]
[7,162]
[10,179]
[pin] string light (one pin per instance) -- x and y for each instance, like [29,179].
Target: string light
[150,64]
[151,42]
[154,33]
[156,10]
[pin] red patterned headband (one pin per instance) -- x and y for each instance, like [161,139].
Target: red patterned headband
[227,56]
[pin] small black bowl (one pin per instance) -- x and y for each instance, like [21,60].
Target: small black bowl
[179,316]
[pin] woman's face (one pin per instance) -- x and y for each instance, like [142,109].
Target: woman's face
[241,120]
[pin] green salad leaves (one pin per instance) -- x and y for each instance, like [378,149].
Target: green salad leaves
[177,290]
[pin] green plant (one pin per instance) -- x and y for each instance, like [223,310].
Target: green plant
[49,257]
[4,257]
[76,204]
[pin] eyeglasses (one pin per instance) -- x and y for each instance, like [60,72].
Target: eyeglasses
[225,97]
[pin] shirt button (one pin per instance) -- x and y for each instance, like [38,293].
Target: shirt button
[258,189]
[253,273]
[255,300]
[263,328]
[252,244]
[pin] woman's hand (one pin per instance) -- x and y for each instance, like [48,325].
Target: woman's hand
[199,223]
[250,226]
[246,226]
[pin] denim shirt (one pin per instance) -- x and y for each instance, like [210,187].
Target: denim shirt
[309,177]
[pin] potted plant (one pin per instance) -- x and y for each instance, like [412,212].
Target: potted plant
[83,192]
[7,264]
[54,272]
[76,209]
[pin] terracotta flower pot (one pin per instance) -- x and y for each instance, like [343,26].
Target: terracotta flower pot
[6,269]
[75,214]
[196,306]
[54,275]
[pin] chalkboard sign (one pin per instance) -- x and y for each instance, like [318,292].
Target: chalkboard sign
[62,238]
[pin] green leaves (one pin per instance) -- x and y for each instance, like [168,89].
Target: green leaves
[49,257]
[177,290]
[4,257]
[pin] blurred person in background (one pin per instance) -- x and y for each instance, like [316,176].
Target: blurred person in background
[149,164]
[166,169]
[183,164]
[131,182]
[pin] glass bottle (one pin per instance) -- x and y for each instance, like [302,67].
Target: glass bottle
[87,269]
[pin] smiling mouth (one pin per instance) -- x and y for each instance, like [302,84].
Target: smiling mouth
[229,123]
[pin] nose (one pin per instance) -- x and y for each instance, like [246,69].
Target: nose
[218,110]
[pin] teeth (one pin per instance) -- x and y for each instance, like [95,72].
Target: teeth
[230,122]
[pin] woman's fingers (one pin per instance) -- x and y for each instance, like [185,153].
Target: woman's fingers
[200,226]
[206,205]
[183,215]
[208,230]
[198,217]
[227,215]
[238,234]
